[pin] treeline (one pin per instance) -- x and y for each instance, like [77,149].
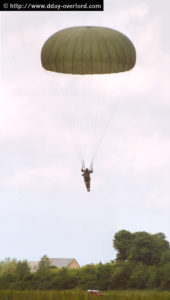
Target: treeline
[142,262]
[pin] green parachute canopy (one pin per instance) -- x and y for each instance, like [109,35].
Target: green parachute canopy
[88,50]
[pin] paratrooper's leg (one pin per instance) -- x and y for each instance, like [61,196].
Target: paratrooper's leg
[88,185]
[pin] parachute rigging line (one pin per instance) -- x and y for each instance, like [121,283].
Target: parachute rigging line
[104,132]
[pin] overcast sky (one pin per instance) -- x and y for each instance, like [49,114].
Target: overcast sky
[45,208]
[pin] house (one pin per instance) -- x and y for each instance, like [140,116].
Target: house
[69,263]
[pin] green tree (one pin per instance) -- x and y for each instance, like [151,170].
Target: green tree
[121,274]
[44,264]
[88,277]
[141,250]
[165,258]
[43,273]
[104,274]
[22,270]
[165,276]
[160,246]
[140,247]
[148,248]
[66,279]
[154,277]
[139,277]
[122,242]
[8,267]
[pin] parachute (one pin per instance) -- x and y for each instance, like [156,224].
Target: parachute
[88,50]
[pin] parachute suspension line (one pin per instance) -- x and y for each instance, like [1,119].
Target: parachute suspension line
[83,165]
[91,166]
[104,132]
[95,119]
[72,122]
[107,123]
[97,124]
[78,150]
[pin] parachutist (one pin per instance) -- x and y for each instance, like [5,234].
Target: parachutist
[86,175]
[87,50]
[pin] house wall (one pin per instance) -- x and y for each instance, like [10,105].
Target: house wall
[34,265]
[74,265]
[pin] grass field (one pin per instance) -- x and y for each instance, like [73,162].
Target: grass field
[78,295]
